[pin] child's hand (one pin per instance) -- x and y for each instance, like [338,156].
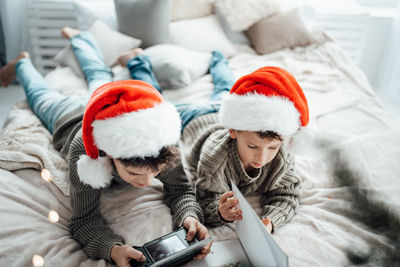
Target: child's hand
[267,223]
[121,255]
[195,228]
[227,207]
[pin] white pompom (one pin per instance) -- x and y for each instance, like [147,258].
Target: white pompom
[95,172]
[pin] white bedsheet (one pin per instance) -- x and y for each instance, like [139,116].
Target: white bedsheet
[349,209]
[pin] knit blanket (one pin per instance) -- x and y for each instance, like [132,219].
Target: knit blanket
[349,212]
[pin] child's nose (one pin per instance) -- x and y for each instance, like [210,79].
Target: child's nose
[148,178]
[262,157]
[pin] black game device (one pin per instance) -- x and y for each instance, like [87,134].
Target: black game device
[170,250]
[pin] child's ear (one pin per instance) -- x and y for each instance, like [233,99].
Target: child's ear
[233,133]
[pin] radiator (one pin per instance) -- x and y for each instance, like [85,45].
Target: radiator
[45,19]
[348,30]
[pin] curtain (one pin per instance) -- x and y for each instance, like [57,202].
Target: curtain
[12,13]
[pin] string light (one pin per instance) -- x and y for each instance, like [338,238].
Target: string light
[53,216]
[37,260]
[46,175]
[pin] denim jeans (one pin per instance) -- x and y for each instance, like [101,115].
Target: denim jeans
[90,60]
[49,105]
[223,80]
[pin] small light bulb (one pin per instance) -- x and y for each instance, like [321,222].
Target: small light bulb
[53,216]
[37,260]
[46,175]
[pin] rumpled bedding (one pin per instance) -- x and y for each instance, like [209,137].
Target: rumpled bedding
[349,212]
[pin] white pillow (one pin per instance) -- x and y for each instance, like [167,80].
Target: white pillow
[202,34]
[241,14]
[176,66]
[190,9]
[110,42]
[235,36]
[87,12]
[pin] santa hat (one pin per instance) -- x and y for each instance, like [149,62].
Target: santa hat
[125,119]
[269,99]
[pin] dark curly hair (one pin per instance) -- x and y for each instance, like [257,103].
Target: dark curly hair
[167,155]
[270,135]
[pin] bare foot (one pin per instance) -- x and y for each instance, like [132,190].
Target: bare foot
[125,57]
[68,32]
[7,73]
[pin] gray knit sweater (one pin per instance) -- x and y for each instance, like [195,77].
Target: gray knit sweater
[213,160]
[87,225]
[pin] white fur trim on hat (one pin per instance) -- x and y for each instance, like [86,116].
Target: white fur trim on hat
[95,172]
[140,133]
[255,112]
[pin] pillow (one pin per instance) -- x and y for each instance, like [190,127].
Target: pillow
[190,9]
[284,30]
[111,44]
[87,12]
[144,19]
[235,36]
[176,66]
[202,34]
[241,14]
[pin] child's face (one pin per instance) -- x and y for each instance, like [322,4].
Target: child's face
[137,176]
[254,151]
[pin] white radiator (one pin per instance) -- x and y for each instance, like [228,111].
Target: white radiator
[45,19]
[349,30]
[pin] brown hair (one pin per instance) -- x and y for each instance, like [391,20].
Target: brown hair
[270,135]
[167,155]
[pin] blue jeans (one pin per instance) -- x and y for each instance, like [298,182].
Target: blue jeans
[223,80]
[49,105]
[91,61]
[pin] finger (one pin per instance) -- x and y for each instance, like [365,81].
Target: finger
[232,202]
[225,196]
[191,231]
[136,254]
[238,212]
[204,252]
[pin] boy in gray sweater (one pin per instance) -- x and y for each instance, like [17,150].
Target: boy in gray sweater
[242,136]
[124,132]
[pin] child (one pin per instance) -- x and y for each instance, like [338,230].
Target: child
[125,132]
[262,112]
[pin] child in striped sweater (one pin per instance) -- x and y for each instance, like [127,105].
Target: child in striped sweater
[242,136]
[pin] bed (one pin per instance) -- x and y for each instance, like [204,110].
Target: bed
[349,212]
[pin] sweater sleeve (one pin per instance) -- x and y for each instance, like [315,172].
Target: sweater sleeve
[87,225]
[208,192]
[279,204]
[179,194]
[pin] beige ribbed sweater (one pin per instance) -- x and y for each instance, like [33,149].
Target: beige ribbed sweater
[213,160]
[87,225]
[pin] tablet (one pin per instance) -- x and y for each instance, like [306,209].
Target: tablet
[170,250]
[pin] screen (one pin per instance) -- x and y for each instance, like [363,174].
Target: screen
[165,248]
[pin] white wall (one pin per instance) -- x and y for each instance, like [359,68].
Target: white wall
[375,45]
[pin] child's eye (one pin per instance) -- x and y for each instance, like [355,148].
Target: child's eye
[252,147]
[273,148]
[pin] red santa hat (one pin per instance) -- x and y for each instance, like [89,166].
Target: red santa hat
[125,119]
[269,99]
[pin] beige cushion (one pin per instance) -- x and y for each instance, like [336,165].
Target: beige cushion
[241,14]
[283,30]
[190,9]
